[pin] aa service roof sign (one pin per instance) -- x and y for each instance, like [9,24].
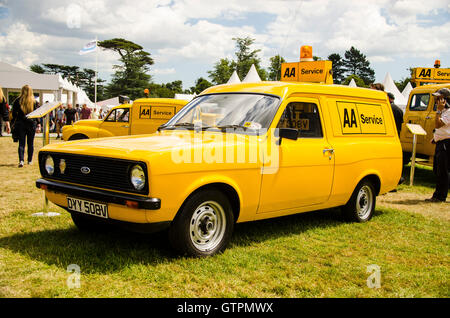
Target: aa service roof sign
[43,110]
[432,73]
[313,72]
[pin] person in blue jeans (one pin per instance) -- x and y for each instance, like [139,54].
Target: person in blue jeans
[24,128]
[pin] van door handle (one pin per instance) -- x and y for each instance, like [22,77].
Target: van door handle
[330,150]
[428,117]
[125,126]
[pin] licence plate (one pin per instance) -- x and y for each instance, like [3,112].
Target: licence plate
[88,207]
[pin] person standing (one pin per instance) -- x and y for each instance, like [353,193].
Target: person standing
[441,138]
[398,113]
[95,113]
[59,120]
[85,112]
[4,113]
[25,128]
[70,115]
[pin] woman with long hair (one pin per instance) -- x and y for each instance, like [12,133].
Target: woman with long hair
[25,128]
[4,113]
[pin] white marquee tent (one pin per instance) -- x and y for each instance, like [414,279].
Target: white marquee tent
[252,76]
[352,83]
[390,87]
[13,78]
[408,88]
[234,79]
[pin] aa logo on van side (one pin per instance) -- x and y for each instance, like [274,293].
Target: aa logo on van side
[361,118]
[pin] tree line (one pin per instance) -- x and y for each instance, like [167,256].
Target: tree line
[131,75]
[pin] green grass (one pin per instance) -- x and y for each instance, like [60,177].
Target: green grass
[307,255]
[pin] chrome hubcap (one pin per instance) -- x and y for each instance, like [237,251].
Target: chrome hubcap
[364,202]
[207,226]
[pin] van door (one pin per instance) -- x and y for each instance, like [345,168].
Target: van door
[117,123]
[306,166]
[417,112]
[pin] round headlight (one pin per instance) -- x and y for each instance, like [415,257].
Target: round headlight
[137,177]
[49,165]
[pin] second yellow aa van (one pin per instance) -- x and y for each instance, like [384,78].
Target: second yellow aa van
[236,153]
[421,110]
[144,116]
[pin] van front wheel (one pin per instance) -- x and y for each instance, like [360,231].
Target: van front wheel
[204,225]
[361,205]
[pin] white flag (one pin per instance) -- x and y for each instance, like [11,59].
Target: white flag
[89,47]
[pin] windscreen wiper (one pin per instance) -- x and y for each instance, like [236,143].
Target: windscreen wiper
[234,127]
[186,125]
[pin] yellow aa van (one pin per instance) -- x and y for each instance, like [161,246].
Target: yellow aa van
[144,116]
[235,153]
[421,110]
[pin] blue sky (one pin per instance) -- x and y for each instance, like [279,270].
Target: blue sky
[187,37]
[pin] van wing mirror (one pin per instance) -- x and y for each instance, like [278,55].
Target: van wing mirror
[288,133]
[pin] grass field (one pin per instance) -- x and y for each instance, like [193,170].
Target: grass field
[307,255]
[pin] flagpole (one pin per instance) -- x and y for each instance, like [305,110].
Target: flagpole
[96,69]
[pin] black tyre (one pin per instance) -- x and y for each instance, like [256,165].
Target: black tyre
[204,225]
[362,203]
[78,137]
[406,158]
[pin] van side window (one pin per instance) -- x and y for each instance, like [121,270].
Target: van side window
[419,102]
[304,117]
[111,116]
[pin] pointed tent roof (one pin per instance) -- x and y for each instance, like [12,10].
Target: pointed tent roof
[390,87]
[234,79]
[352,83]
[408,88]
[252,76]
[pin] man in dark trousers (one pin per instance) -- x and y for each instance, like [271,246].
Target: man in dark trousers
[398,113]
[441,138]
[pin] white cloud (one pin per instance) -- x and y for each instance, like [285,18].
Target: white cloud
[185,32]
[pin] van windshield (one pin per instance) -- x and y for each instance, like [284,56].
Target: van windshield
[236,110]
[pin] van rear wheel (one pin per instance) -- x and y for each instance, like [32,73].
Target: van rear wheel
[362,203]
[204,225]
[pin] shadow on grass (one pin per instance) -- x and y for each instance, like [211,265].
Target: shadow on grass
[115,249]
[423,176]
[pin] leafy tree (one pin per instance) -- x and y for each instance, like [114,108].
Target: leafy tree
[131,77]
[359,81]
[337,68]
[222,71]
[200,85]
[275,67]
[356,63]
[37,69]
[245,57]
[85,79]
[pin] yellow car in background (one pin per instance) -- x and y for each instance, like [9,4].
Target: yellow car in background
[235,153]
[144,116]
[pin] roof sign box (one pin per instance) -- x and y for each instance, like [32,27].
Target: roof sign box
[307,70]
[436,75]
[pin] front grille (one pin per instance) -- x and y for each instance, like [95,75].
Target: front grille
[108,173]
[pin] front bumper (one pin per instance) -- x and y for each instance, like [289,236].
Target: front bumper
[99,195]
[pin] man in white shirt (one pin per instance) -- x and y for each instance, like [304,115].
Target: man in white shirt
[441,138]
